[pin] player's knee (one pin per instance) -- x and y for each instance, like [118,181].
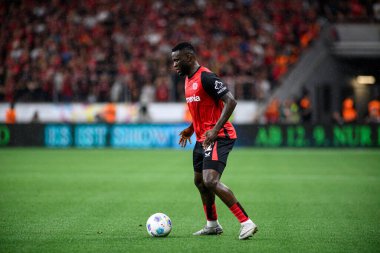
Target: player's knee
[210,183]
[199,184]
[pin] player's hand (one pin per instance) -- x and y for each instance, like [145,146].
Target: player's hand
[211,136]
[185,136]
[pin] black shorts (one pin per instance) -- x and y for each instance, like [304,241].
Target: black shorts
[214,157]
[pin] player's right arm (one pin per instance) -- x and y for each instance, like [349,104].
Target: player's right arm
[185,135]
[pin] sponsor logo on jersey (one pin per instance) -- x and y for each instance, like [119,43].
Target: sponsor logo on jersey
[193,98]
[195,86]
[219,86]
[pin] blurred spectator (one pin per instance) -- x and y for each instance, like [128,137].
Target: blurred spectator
[10,114]
[108,114]
[349,113]
[305,107]
[289,112]
[144,115]
[272,114]
[374,111]
[263,86]
[337,118]
[35,118]
[162,89]
[148,92]
[116,91]
[187,115]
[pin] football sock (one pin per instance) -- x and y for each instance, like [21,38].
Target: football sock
[212,223]
[239,212]
[210,212]
[247,221]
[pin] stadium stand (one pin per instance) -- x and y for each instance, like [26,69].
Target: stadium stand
[119,51]
[100,51]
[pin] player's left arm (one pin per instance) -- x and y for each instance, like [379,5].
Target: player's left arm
[229,106]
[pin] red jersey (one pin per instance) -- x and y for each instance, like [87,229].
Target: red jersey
[203,91]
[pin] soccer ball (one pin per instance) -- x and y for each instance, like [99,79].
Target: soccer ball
[159,225]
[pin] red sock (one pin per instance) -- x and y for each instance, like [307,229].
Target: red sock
[239,212]
[210,212]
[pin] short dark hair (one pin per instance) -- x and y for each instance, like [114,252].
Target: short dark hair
[184,46]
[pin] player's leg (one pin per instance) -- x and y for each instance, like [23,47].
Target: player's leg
[207,196]
[213,168]
[208,200]
[211,179]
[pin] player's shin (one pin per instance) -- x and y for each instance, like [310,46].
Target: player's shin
[211,214]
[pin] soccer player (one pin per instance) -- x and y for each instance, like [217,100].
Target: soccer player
[210,104]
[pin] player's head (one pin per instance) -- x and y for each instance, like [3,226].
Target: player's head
[184,58]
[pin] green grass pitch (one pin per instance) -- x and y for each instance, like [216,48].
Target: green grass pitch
[317,200]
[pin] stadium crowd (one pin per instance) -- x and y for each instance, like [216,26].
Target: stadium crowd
[108,50]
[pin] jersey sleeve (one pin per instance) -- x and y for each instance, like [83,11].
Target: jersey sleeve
[213,85]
